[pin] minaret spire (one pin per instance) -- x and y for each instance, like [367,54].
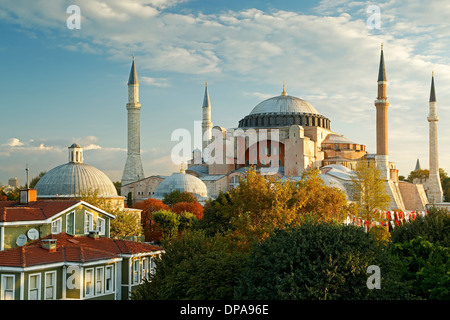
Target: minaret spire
[382,104]
[206,121]
[133,170]
[434,194]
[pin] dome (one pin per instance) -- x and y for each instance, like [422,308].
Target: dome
[75,179]
[182,182]
[284,104]
[283,111]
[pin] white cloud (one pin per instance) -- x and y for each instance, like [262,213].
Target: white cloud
[13,142]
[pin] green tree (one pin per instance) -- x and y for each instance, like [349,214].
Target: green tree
[177,196]
[35,180]
[319,261]
[427,267]
[194,267]
[369,190]
[434,228]
[168,222]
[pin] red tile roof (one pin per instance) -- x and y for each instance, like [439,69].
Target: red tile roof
[72,249]
[38,210]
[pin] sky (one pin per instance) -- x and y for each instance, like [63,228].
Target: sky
[60,85]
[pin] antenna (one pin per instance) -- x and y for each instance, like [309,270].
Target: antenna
[27,170]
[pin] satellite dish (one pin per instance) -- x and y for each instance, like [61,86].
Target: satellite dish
[21,240]
[33,234]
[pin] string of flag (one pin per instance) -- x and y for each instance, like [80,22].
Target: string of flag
[390,219]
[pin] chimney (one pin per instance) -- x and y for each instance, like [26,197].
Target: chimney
[49,244]
[94,234]
[27,196]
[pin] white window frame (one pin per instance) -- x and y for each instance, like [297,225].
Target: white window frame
[38,286]
[57,226]
[51,286]
[68,218]
[136,271]
[91,285]
[144,268]
[101,226]
[152,267]
[88,222]
[99,280]
[4,290]
[109,278]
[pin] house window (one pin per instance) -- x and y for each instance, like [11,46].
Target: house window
[99,280]
[88,222]
[109,279]
[101,226]
[7,289]
[50,285]
[70,223]
[34,286]
[144,268]
[57,226]
[136,275]
[152,266]
[89,283]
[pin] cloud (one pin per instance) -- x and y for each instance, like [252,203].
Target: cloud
[13,142]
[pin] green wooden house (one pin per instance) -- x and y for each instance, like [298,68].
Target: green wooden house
[62,250]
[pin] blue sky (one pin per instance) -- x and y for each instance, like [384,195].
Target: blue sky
[59,86]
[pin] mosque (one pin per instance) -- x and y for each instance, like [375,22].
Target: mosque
[283,135]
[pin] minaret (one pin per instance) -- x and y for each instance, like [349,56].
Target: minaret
[133,170]
[434,194]
[206,121]
[382,104]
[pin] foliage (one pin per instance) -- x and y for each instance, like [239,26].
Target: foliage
[177,196]
[193,207]
[125,224]
[10,195]
[434,228]
[194,267]
[168,221]
[260,204]
[427,265]
[369,189]
[152,231]
[324,261]
[214,220]
[35,180]
[381,234]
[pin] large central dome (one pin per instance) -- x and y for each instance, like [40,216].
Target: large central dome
[282,111]
[284,104]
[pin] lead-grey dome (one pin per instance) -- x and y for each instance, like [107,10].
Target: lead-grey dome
[75,179]
[283,111]
[284,104]
[182,182]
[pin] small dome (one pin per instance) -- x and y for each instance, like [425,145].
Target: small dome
[182,182]
[284,104]
[75,178]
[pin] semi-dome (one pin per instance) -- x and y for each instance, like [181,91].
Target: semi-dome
[284,110]
[74,179]
[182,182]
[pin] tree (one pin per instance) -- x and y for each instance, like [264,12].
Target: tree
[194,267]
[427,267]
[35,180]
[168,221]
[434,228]
[177,196]
[369,190]
[152,231]
[193,207]
[261,204]
[318,261]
